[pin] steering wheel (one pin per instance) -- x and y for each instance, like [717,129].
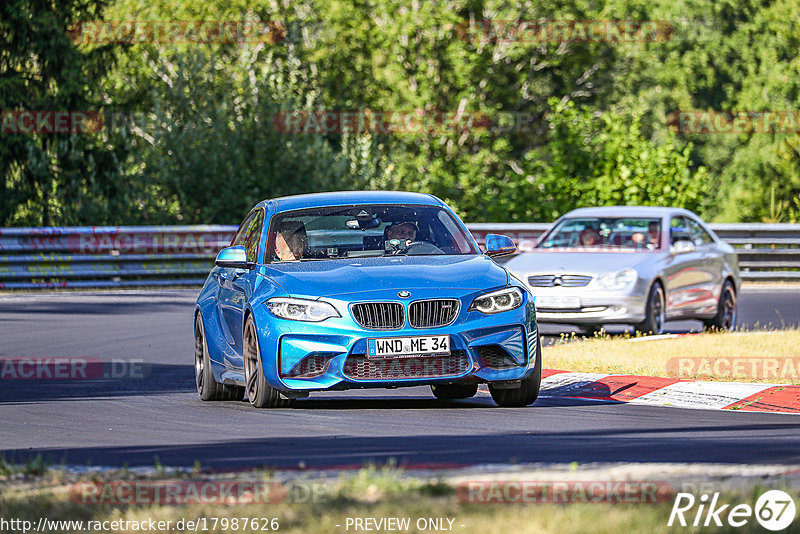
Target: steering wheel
[419,248]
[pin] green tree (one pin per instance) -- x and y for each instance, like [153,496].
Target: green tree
[571,123]
[602,159]
[52,178]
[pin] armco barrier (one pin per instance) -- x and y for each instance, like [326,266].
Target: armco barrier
[119,256]
[108,256]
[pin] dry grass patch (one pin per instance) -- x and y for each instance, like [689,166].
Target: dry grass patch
[760,356]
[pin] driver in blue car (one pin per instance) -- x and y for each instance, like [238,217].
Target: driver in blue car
[405,232]
[290,241]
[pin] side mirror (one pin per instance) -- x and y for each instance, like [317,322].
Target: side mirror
[499,245]
[682,246]
[234,257]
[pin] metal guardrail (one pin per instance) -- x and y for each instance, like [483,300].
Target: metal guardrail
[109,256]
[766,251]
[120,256]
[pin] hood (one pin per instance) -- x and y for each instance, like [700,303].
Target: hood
[579,262]
[337,277]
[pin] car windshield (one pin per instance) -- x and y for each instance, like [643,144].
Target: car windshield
[365,231]
[602,233]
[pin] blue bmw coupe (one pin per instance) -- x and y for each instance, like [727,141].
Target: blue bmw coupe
[334,291]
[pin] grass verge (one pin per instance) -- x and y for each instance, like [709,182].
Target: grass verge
[758,356]
[369,493]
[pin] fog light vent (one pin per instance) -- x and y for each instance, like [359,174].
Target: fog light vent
[496,357]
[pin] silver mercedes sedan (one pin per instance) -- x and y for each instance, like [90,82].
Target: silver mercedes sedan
[632,265]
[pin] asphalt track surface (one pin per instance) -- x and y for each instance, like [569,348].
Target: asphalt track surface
[136,422]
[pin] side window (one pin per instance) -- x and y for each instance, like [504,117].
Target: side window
[678,230]
[700,236]
[252,235]
[238,239]
[456,236]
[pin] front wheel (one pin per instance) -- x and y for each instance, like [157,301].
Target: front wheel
[655,314]
[725,320]
[259,392]
[526,394]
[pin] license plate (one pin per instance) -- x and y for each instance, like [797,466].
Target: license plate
[570,303]
[407,346]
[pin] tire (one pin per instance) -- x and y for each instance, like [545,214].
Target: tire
[454,391]
[208,389]
[528,391]
[655,313]
[259,392]
[725,320]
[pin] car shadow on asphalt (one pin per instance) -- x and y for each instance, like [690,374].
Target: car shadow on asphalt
[103,379]
[160,379]
[354,400]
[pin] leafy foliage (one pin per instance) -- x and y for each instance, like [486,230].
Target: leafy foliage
[568,124]
[602,159]
[52,178]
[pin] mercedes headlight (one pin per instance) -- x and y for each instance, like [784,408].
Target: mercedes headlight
[618,280]
[498,301]
[301,309]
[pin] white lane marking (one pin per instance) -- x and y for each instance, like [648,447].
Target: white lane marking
[571,380]
[710,395]
[654,338]
[673,336]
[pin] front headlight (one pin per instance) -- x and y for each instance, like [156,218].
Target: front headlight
[301,309]
[618,280]
[498,301]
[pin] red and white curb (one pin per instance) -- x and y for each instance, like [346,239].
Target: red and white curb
[656,391]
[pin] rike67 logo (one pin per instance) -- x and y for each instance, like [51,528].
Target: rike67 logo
[774,510]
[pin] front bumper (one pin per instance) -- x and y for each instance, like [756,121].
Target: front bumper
[331,354]
[595,307]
